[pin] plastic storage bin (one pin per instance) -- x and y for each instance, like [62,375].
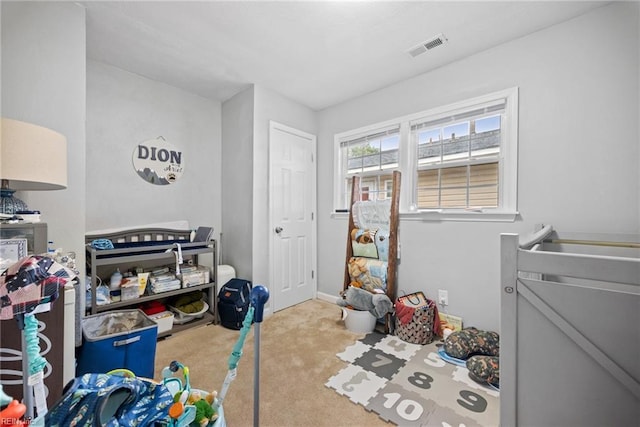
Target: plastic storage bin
[120,339]
[164,319]
[358,321]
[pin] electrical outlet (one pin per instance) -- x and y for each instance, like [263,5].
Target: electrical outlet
[443,297]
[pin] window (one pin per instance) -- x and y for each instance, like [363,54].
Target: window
[455,160]
[458,159]
[373,156]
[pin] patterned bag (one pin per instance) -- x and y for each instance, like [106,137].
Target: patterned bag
[110,401]
[415,317]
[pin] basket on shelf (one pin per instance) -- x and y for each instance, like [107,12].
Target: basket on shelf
[181,317]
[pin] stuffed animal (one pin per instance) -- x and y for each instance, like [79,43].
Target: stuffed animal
[360,299]
[204,407]
[363,236]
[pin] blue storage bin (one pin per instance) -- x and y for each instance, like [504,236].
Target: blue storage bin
[120,339]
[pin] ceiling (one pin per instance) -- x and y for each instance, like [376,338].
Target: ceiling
[317,53]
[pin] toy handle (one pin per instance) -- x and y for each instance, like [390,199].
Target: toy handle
[259,296]
[123,372]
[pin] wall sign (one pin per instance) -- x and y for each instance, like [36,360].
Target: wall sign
[158,162]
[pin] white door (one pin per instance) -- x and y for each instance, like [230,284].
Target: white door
[292,198]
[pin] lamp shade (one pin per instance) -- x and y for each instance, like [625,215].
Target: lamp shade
[32,157]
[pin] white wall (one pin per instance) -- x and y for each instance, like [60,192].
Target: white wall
[237,176]
[124,109]
[43,82]
[578,159]
[245,119]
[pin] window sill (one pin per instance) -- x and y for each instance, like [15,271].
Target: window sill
[461,215]
[441,216]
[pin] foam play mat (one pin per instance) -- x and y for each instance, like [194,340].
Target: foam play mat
[411,385]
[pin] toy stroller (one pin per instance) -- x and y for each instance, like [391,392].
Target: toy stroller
[197,407]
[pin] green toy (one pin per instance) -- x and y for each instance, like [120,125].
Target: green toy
[205,413]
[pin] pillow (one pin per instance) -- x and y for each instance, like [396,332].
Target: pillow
[484,369]
[363,243]
[471,341]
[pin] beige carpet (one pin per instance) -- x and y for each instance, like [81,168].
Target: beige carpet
[297,356]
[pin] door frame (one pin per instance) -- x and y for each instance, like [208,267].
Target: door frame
[273,126]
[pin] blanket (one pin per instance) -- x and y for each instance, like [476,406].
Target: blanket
[367,273]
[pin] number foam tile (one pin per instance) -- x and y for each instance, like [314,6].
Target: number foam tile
[469,400]
[461,375]
[427,360]
[401,407]
[449,400]
[445,393]
[372,338]
[357,384]
[443,416]
[401,349]
[382,364]
[429,377]
[417,379]
[354,351]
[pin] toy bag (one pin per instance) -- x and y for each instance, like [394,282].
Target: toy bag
[233,302]
[110,400]
[416,318]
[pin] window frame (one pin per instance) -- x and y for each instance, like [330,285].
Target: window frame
[408,162]
[338,160]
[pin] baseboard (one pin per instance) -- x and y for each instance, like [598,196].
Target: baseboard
[326,297]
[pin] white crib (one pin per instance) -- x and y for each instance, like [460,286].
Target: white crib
[570,330]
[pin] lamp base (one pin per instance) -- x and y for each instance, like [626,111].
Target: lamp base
[10,205]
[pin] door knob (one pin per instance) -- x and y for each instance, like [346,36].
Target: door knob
[278,230]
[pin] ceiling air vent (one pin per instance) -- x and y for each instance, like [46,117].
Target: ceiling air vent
[432,43]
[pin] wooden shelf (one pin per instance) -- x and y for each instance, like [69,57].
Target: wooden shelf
[356,196]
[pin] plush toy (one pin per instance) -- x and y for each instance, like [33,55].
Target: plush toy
[363,236]
[360,299]
[204,407]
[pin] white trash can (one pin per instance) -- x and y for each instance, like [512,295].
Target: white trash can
[358,321]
